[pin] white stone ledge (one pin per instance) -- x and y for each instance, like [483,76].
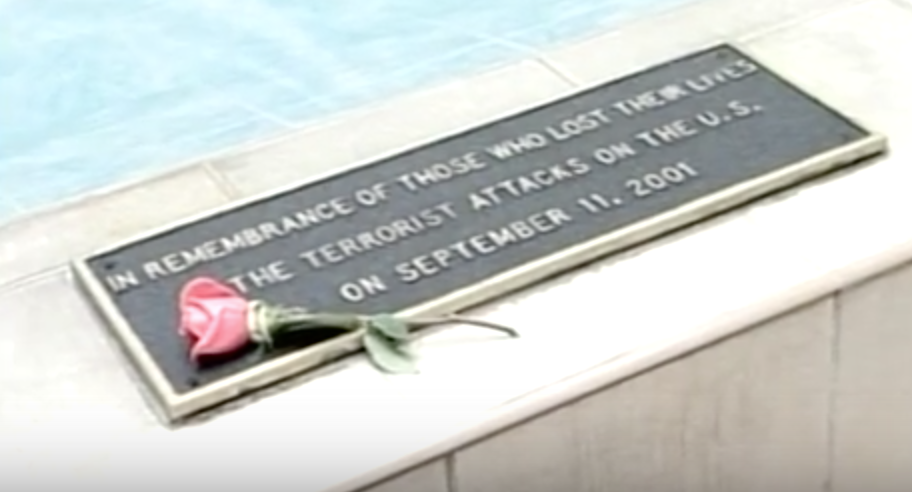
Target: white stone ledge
[50,238]
[581,332]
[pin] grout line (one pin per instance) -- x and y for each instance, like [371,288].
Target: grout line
[449,471]
[558,71]
[221,181]
[833,393]
[32,278]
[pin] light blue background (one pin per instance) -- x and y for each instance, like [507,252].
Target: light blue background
[95,91]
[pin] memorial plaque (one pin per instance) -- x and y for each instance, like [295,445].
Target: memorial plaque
[473,215]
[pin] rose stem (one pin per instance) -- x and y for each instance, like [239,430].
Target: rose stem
[422,322]
[352,322]
[298,321]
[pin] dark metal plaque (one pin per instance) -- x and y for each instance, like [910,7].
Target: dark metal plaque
[471,216]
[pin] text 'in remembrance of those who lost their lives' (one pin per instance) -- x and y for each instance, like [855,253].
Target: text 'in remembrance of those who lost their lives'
[477,209]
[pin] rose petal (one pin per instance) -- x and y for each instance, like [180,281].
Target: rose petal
[198,315]
[205,288]
[216,304]
[194,320]
[200,299]
[227,332]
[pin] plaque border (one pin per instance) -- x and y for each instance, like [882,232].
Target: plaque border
[173,406]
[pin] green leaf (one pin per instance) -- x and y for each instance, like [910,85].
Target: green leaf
[386,355]
[390,326]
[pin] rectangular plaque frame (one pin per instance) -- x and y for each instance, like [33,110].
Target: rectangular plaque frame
[174,405]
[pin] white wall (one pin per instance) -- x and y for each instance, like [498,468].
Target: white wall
[818,399]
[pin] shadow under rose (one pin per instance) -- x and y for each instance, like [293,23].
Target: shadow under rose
[287,343]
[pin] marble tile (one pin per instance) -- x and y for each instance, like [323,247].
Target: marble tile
[55,237]
[875,335]
[744,414]
[872,446]
[872,441]
[59,371]
[337,424]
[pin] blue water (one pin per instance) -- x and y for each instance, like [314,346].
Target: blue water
[96,91]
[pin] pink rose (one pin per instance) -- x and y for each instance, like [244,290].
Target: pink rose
[219,321]
[213,317]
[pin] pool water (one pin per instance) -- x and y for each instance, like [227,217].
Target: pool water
[96,91]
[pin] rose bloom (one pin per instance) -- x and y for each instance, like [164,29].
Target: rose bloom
[213,317]
[218,321]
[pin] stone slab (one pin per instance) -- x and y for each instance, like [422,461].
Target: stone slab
[51,238]
[746,414]
[477,214]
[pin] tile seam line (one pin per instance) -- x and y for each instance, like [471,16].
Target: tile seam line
[836,312]
[451,473]
[33,278]
[224,185]
[543,60]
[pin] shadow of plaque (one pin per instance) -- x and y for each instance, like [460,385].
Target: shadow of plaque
[468,217]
